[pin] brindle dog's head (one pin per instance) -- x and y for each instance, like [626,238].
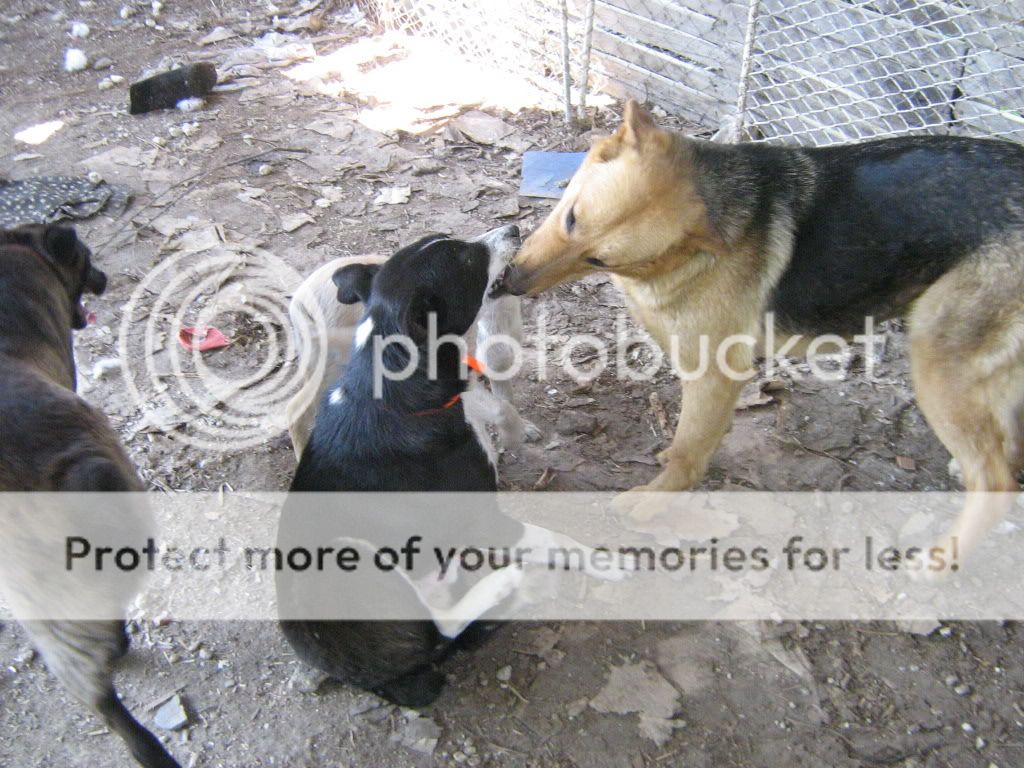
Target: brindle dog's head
[59,248]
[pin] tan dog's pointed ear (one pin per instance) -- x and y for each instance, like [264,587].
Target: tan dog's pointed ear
[637,124]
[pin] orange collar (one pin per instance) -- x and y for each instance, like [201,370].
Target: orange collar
[474,365]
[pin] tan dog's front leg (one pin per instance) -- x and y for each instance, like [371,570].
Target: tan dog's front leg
[706,415]
[708,404]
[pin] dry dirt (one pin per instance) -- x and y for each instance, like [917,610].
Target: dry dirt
[571,694]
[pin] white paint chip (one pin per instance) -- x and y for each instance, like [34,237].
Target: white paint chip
[37,134]
[336,397]
[363,332]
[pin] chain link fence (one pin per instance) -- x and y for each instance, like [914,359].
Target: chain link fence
[521,36]
[813,71]
[827,71]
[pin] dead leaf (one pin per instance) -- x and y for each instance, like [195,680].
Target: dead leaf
[640,688]
[907,463]
[336,127]
[482,128]
[292,221]
[216,35]
[752,396]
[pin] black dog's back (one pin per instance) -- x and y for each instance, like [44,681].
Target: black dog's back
[889,217]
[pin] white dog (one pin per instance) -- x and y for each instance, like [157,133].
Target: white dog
[323,330]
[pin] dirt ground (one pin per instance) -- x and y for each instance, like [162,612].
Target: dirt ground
[252,165]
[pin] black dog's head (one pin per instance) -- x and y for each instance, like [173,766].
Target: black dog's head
[71,261]
[434,276]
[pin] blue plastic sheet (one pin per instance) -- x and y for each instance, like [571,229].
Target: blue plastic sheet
[545,174]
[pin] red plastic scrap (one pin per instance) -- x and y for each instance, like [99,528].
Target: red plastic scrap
[202,339]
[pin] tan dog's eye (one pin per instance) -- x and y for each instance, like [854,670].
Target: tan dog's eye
[570,220]
[595,262]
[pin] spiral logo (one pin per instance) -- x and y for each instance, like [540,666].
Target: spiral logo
[238,396]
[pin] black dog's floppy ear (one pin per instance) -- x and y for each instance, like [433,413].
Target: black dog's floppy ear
[355,282]
[416,318]
[60,242]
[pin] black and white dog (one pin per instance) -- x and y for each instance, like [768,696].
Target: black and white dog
[323,327]
[411,433]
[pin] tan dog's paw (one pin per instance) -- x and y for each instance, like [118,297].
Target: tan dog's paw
[640,504]
[645,502]
[679,473]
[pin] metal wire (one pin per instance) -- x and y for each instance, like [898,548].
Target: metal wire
[827,71]
[814,71]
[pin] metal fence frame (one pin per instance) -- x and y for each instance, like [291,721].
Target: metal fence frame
[812,71]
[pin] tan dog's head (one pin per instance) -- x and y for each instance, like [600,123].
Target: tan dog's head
[630,206]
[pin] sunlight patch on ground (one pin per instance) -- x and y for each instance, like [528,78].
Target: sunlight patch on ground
[413,83]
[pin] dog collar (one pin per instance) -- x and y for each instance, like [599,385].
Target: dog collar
[474,365]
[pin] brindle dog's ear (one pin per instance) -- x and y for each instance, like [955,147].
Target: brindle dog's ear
[95,281]
[355,282]
[60,242]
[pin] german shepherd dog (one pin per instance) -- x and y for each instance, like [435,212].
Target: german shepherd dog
[52,441]
[706,239]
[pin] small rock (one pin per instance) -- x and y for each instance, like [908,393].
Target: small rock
[105,84]
[171,716]
[126,12]
[460,757]
[980,743]
[504,674]
[946,632]
[307,680]
[265,170]
[322,202]
[205,653]
[103,63]
[79,29]
[116,79]
[962,689]
[75,60]
[573,423]
[363,704]
[27,656]
[421,735]
[426,167]
[967,728]
[576,708]
[951,680]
